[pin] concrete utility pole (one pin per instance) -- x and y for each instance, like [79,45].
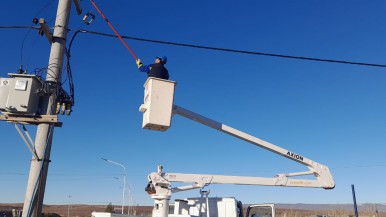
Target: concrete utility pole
[33,201]
[355,200]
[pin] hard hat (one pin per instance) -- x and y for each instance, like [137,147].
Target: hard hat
[164,59]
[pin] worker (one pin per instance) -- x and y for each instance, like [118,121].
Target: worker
[155,70]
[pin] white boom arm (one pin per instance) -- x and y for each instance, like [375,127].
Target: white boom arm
[322,173]
[158,108]
[160,189]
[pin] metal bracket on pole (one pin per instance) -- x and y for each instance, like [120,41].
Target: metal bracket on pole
[30,144]
[45,29]
[39,119]
[78,8]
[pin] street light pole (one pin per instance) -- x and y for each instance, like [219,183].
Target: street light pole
[124,179]
[69,204]
[129,208]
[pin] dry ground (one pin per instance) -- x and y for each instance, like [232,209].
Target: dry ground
[79,210]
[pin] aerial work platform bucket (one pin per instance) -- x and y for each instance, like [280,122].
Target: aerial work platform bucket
[158,104]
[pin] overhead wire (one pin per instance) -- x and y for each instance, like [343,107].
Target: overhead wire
[240,51]
[44,7]
[68,67]
[40,71]
[69,76]
[28,56]
[114,30]
[68,62]
[19,27]
[26,35]
[227,49]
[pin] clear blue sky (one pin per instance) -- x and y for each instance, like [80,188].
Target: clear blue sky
[331,113]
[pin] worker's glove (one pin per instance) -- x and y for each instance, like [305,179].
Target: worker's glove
[139,64]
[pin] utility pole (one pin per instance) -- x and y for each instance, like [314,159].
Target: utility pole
[69,205]
[355,200]
[33,201]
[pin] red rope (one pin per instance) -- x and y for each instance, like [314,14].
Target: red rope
[115,31]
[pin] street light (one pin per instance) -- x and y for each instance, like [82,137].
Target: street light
[124,179]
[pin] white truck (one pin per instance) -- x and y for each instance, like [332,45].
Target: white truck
[158,109]
[204,206]
[217,206]
[108,214]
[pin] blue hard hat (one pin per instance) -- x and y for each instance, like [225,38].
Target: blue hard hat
[164,59]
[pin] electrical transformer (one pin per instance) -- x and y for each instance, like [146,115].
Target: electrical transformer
[18,94]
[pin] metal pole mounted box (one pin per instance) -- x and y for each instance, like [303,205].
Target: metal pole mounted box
[5,84]
[23,97]
[158,104]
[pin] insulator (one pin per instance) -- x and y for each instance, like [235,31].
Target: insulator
[86,18]
[35,21]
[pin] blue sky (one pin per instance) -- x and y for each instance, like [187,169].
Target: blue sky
[331,113]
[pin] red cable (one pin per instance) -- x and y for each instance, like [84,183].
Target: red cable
[115,31]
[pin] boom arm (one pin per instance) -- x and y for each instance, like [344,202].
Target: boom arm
[202,180]
[160,189]
[321,172]
[158,108]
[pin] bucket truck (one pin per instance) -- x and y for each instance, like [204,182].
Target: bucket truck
[158,109]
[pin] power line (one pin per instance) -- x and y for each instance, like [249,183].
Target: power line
[43,8]
[19,27]
[29,30]
[240,51]
[226,49]
[25,37]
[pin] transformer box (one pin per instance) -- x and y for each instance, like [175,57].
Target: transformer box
[18,94]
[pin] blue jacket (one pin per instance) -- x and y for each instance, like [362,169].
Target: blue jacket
[156,70]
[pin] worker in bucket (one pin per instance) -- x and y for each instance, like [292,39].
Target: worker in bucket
[155,70]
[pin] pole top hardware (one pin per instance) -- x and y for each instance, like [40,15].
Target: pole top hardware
[45,30]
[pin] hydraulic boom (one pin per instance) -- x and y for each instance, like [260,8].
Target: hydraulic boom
[158,109]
